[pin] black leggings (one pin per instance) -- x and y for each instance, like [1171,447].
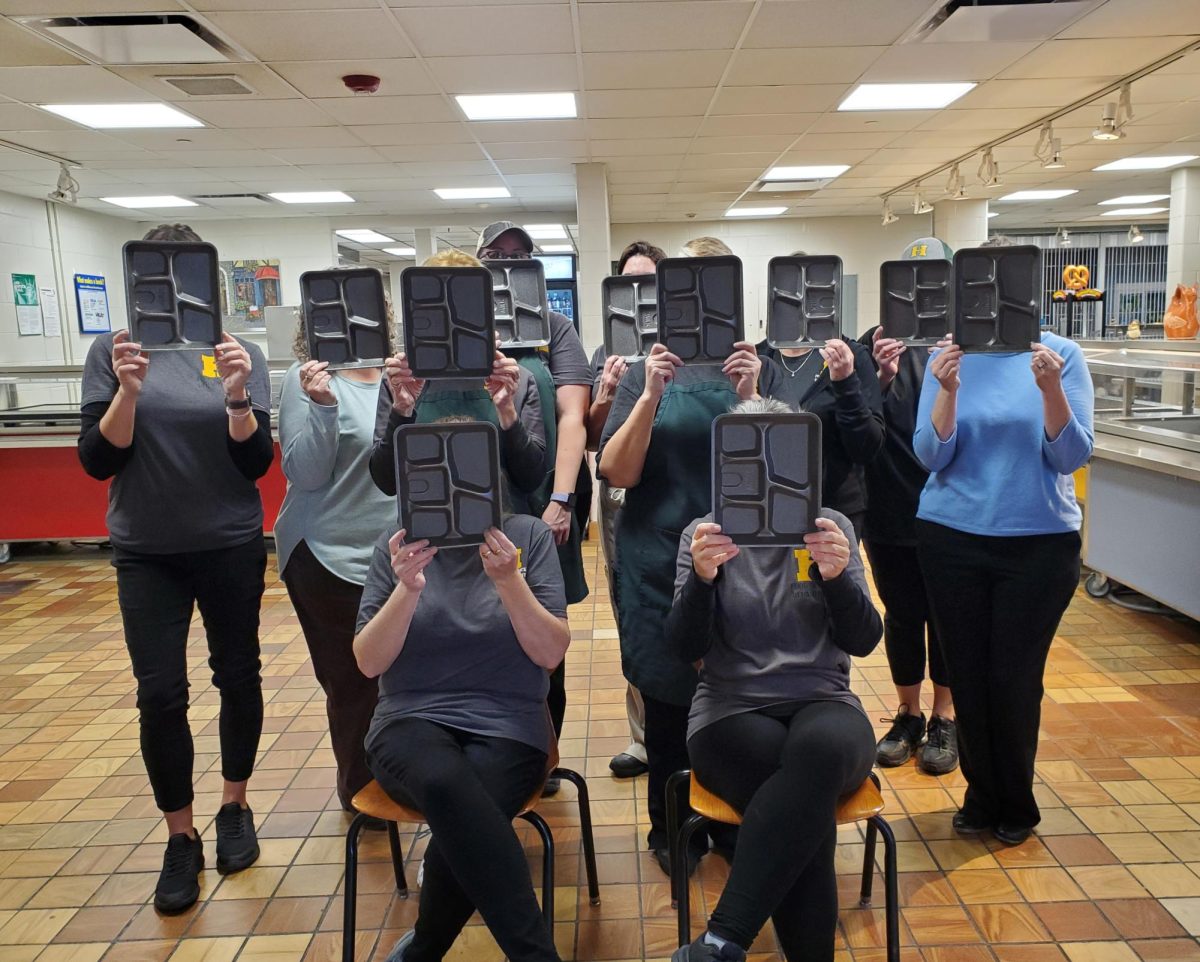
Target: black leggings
[906,620]
[997,603]
[469,788]
[157,594]
[784,769]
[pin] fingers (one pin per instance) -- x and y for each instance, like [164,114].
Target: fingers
[706,527]
[396,540]
[659,350]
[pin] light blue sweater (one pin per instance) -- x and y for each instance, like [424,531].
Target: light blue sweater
[331,501]
[999,474]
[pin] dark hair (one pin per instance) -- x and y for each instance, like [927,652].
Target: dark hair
[798,254]
[172,232]
[640,248]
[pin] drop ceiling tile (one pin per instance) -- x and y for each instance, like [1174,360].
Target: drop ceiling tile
[573,150]
[233,114]
[314,35]
[856,121]
[633,71]
[632,127]
[1137,18]
[447,31]
[515,131]
[662,146]
[760,160]
[806,98]
[655,162]
[742,144]
[960,140]
[678,102]
[22,117]
[328,155]
[352,172]
[944,62]
[199,138]
[809,23]
[214,5]
[995,120]
[22,48]
[480,75]
[151,78]
[666,25]
[1091,58]
[622,180]
[1048,93]
[278,137]
[395,135]
[354,111]
[868,140]
[540,166]
[403,77]
[517,181]
[457,171]
[66,141]
[67,85]
[803,65]
[427,152]
[750,124]
[801,153]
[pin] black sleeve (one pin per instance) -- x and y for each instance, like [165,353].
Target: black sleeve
[855,623]
[382,464]
[524,458]
[692,619]
[858,409]
[253,456]
[100,458]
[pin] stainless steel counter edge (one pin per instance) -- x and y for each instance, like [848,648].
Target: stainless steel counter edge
[1152,457]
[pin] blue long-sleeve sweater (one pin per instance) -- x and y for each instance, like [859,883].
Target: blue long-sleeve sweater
[999,474]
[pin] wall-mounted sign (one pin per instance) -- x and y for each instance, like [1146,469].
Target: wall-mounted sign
[91,298]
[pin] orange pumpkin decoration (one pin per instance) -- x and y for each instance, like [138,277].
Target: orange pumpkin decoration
[1075,277]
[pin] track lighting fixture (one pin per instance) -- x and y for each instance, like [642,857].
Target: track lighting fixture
[888,216]
[1054,161]
[66,191]
[1062,237]
[1124,106]
[954,184]
[989,170]
[1135,235]
[920,204]
[1109,128]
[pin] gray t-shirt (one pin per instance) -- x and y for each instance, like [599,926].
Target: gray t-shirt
[568,360]
[461,664]
[180,490]
[772,641]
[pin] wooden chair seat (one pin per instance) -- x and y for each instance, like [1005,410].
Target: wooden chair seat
[374,801]
[858,806]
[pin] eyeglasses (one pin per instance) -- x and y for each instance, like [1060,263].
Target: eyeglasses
[492,254]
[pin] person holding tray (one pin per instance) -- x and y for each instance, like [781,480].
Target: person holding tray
[331,516]
[838,384]
[462,641]
[781,743]
[998,539]
[184,435]
[655,445]
[640,257]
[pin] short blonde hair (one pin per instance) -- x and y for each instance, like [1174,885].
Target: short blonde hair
[706,247]
[452,257]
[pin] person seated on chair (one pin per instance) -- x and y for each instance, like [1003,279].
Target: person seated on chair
[461,640]
[774,728]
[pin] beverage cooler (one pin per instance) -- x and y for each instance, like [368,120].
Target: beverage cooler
[562,284]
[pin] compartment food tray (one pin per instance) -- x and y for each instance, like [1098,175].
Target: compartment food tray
[700,306]
[520,305]
[804,301]
[449,327]
[345,317]
[630,314]
[766,477]
[997,298]
[173,295]
[448,482]
[914,300]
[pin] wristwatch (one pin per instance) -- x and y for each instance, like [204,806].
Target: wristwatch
[243,405]
[566,500]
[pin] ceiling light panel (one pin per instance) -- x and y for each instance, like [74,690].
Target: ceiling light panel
[904,96]
[1129,199]
[123,116]
[401,251]
[1037,195]
[471,193]
[312,197]
[365,236]
[556,248]
[1147,163]
[545,231]
[1135,211]
[552,106]
[145,203]
[755,211]
[819,172]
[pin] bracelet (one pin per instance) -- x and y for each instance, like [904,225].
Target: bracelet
[238,415]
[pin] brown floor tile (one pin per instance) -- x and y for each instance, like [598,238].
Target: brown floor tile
[1074,921]
[1009,922]
[1141,918]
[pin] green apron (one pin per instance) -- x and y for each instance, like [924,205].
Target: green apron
[675,490]
[570,554]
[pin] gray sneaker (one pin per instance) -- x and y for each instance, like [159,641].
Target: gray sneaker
[901,741]
[939,754]
[401,946]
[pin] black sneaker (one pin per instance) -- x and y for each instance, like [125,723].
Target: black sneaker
[939,754]
[701,951]
[237,844]
[663,857]
[627,766]
[179,883]
[968,823]
[551,788]
[902,739]
[1011,834]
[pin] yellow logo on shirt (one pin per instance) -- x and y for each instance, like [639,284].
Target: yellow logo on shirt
[208,366]
[520,563]
[803,560]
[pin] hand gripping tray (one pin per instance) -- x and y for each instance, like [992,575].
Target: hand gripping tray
[449,328]
[700,306]
[448,481]
[766,477]
[173,295]
[997,298]
[520,305]
[914,300]
[804,300]
[630,314]
[345,317]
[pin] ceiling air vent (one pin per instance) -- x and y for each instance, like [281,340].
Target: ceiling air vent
[133,39]
[961,21]
[793,186]
[209,85]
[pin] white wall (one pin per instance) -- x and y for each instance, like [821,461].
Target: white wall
[861,242]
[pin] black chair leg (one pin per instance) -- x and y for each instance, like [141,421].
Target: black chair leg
[679,868]
[585,830]
[350,898]
[393,831]
[868,870]
[891,888]
[543,830]
[674,792]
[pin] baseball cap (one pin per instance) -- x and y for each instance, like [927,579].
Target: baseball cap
[496,228]
[927,248]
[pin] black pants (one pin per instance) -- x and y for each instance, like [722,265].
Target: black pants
[469,789]
[666,754]
[784,769]
[906,620]
[157,594]
[997,603]
[327,608]
[556,697]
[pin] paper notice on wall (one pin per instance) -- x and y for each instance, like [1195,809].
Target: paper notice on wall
[51,319]
[91,299]
[25,297]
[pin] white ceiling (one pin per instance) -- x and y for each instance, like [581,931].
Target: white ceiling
[688,102]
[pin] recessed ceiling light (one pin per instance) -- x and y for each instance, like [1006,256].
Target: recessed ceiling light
[1134,211]
[754,211]
[1134,199]
[518,106]
[993,213]
[1038,194]
[365,236]
[903,96]
[1146,163]
[545,231]
[312,197]
[116,116]
[557,248]
[471,193]
[818,172]
[160,200]
[400,251]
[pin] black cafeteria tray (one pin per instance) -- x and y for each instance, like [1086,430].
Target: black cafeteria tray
[520,305]
[448,481]
[997,298]
[914,300]
[449,328]
[345,317]
[700,306]
[173,295]
[766,477]
[804,300]
[630,314]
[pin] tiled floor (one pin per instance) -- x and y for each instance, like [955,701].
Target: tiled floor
[1114,875]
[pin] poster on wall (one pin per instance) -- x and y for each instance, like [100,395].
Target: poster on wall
[25,297]
[91,298]
[248,288]
[51,318]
